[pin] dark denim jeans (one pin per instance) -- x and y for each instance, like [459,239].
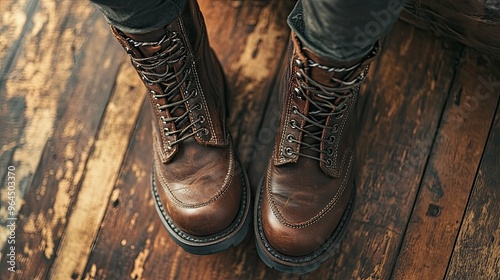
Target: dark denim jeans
[340,30]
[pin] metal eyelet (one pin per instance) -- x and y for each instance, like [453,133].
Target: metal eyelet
[329,151]
[335,128]
[203,131]
[331,139]
[194,92]
[197,106]
[290,138]
[289,151]
[299,63]
[163,120]
[340,116]
[158,107]
[297,91]
[295,110]
[293,124]
[169,145]
[299,76]
[201,119]
[329,163]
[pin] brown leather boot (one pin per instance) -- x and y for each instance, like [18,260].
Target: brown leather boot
[200,191]
[307,193]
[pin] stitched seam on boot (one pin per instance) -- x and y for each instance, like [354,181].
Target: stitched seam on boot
[321,213]
[226,184]
[214,139]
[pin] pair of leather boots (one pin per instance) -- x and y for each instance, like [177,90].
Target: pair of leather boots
[200,190]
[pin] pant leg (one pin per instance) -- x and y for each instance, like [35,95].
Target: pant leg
[343,30]
[140,16]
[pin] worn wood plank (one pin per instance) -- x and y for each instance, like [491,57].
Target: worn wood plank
[33,93]
[477,250]
[100,176]
[44,216]
[400,120]
[450,173]
[16,15]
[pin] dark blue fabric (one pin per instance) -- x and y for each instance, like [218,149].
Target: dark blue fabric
[133,16]
[340,30]
[343,30]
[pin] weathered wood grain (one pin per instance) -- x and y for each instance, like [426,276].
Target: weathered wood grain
[13,27]
[450,173]
[33,91]
[477,250]
[130,224]
[102,170]
[56,183]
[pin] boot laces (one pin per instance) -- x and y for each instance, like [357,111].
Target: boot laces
[324,101]
[159,69]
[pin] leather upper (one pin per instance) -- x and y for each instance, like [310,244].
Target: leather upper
[198,177]
[309,180]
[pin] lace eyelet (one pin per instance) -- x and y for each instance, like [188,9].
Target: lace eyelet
[169,145]
[197,106]
[158,107]
[340,116]
[297,91]
[328,163]
[289,151]
[329,151]
[299,63]
[295,110]
[293,124]
[299,76]
[194,92]
[201,119]
[204,131]
[290,138]
[163,120]
[335,128]
[331,139]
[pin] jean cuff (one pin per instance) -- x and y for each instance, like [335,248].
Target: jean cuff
[340,52]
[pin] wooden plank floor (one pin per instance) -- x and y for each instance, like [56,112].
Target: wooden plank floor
[75,127]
